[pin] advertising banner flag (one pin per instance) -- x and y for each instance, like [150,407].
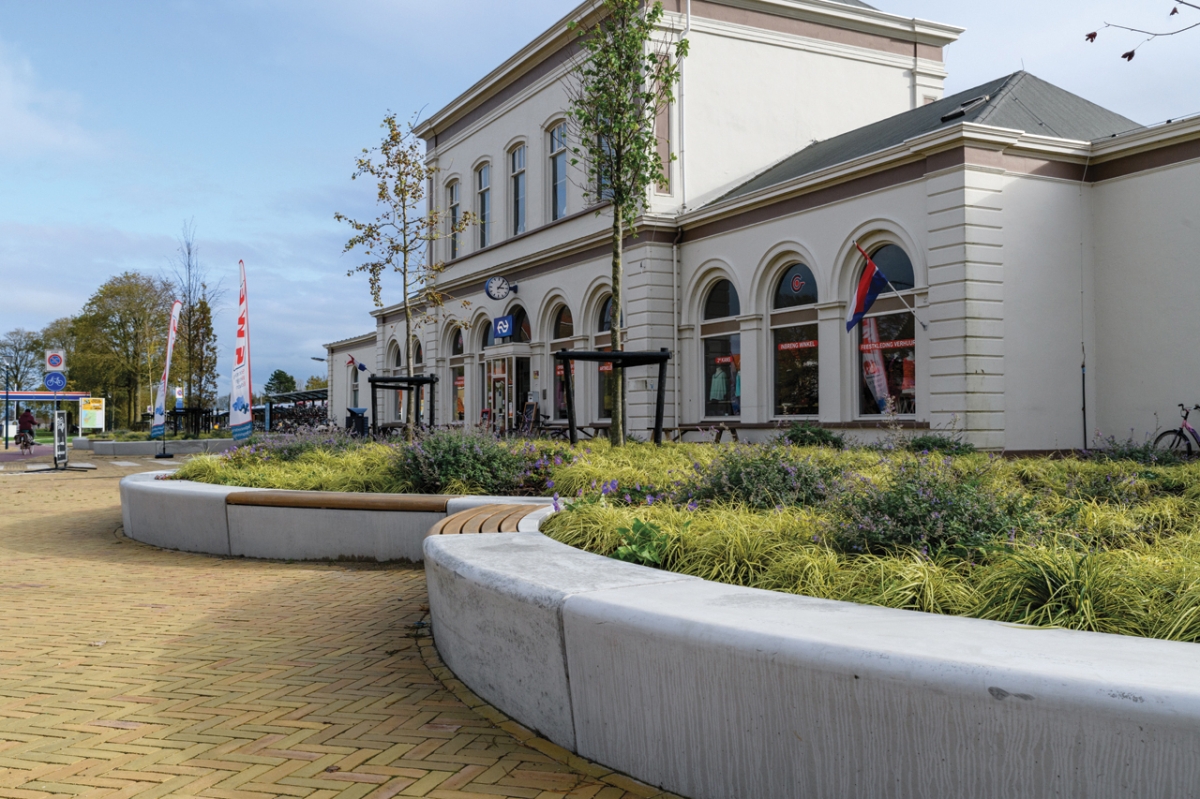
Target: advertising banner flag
[160,417]
[241,415]
[872,363]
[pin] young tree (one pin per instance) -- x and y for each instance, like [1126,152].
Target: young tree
[122,331]
[280,382]
[196,339]
[1150,35]
[400,238]
[21,349]
[625,78]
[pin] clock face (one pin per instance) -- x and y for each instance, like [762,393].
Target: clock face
[497,288]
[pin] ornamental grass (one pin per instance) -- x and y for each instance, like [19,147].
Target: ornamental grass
[1099,544]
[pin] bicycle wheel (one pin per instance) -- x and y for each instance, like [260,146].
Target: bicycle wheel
[1175,442]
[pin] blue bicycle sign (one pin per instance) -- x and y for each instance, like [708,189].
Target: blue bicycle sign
[55,381]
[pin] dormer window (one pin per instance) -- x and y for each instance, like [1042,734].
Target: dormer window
[969,105]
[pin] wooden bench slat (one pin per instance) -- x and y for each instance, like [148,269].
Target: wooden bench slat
[497,518]
[340,500]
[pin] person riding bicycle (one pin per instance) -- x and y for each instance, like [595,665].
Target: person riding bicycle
[26,423]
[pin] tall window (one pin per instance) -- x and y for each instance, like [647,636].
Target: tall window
[604,325]
[722,351]
[887,345]
[794,340]
[353,386]
[517,169]
[564,329]
[454,203]
[558,171]
[483,203]
[458,377]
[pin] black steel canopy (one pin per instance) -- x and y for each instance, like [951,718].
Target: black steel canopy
[620,360]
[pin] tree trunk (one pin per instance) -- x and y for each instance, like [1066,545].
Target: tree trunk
[616,397]
[410,396]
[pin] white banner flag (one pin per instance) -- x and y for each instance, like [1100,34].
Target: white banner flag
[872,363]
[241,402]
[160,417]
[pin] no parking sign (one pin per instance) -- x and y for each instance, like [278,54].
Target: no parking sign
[55,360]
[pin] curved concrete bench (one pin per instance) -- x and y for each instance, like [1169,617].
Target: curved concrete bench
[287,525]
[720,692]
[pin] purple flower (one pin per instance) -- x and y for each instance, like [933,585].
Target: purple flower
[693,505]
[550,484]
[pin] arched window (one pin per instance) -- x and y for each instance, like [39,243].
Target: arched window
[458,376]
[488,337]
[895,263]
[722,301]
[456,348]
[794,343]
[397,358]
[564,325]
[522,333]
[887,341]
[604,323]
[353,385]
[564,328]
[418,353]
[722,387]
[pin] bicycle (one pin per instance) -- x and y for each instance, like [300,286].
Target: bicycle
[25,442]
[1176,441]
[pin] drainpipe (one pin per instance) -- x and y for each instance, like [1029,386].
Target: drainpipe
[687,30]
[676,320]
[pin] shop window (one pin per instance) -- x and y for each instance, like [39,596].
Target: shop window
[887,353]
[794,343]
[722,353]
[458,379]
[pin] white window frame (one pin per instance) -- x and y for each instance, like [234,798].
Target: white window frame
[517,158]
[454,202]
[558,171]
[483,203]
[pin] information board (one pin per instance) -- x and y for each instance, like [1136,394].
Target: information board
[60,438]
[91,413]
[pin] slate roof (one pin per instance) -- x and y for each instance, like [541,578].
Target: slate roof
[1019,101]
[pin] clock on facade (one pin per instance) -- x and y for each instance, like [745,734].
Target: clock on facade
[497,288]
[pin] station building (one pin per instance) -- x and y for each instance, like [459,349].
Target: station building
[1041,242]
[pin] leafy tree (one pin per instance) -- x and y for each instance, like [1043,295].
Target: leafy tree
[1150,35]
[121,339]
[195,358]
[621,84]
[21,350]
[280,382]
[400,238]
[313,383]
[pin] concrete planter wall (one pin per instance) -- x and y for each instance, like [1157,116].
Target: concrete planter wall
[151,448]
[195,517]
[721,692]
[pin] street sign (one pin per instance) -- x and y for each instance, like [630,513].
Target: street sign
[55,360]
[91,413]
[55,381]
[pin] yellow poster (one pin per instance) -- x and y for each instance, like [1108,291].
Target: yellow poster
[91,414]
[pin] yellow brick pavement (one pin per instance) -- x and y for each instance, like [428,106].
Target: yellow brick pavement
[128,671]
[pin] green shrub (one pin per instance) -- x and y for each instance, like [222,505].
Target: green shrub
[760,477]
[806,434]
[643,543]
[1143,452]
[927,505]
[459,461]
[939,442]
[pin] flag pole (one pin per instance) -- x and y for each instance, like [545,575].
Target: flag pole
[910,308]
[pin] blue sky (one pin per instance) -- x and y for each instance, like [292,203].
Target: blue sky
[118,121]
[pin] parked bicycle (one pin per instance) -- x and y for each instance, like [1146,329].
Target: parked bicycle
[1177,441]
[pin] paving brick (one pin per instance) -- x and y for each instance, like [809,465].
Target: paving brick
[129,671]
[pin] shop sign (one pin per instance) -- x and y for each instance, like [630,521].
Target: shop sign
[785,346]
[459,382]
[723,359]
[900,344]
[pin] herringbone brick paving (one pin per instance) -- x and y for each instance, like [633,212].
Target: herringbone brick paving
[129,671]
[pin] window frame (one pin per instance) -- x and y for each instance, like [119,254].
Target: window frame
[483,202]
[558,170]
[725,328]
[454,203]
[888,304]
[518,185]
[788,317]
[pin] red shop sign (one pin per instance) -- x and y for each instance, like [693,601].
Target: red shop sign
[604,367]
[723,359]
[887,345]
[459,382]
[784,346]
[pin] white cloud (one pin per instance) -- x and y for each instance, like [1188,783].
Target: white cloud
[36,120]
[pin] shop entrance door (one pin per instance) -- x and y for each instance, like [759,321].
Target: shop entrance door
[508,382]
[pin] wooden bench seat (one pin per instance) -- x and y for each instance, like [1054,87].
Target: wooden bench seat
[340,500]
[484,519]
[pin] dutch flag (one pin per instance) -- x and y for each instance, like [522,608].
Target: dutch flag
[869,287]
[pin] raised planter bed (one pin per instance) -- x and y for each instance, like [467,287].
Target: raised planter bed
[717,691]
[286,525]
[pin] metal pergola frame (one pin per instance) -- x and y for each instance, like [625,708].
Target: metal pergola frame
[402,383]
[619,360]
